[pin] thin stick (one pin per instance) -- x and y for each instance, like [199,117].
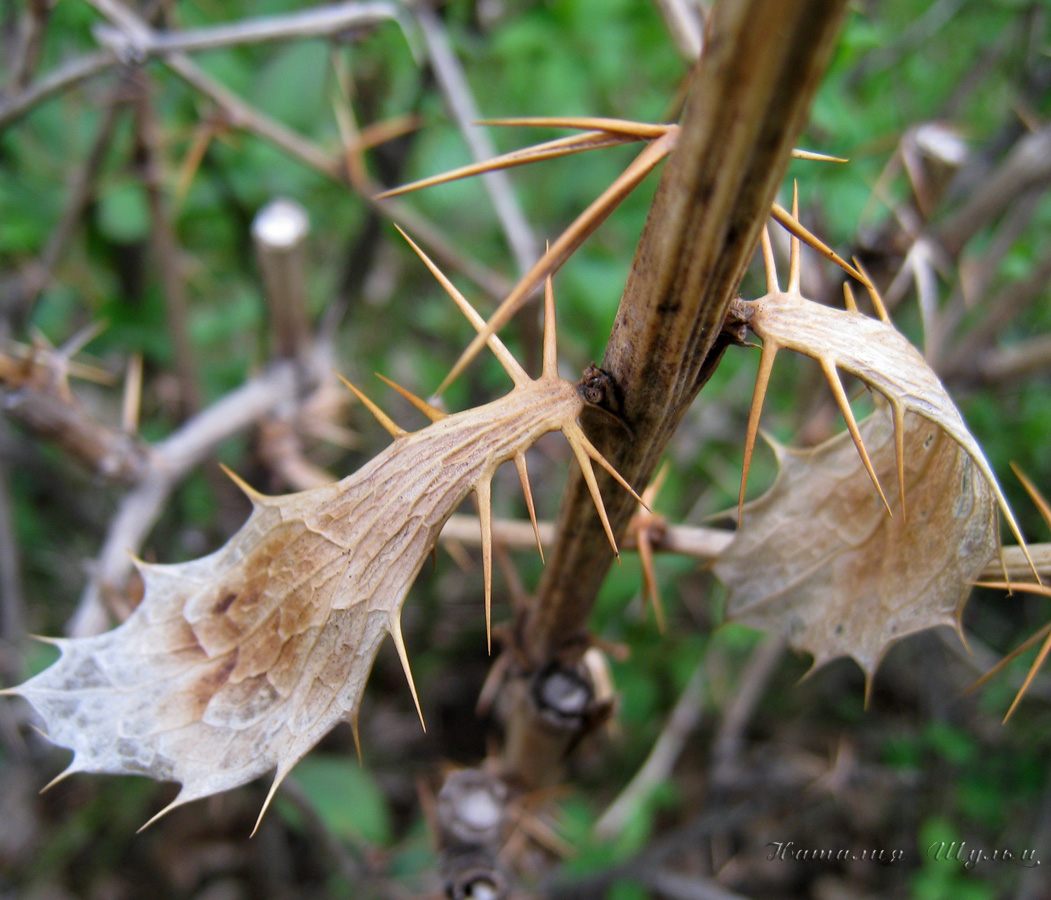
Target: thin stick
[457,92]
[661,760]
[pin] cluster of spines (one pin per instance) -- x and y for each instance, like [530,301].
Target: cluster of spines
[583,450]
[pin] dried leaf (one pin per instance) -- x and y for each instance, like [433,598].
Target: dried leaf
[874,351]
[818,559]
[239,662]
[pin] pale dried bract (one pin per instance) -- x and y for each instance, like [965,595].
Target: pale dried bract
[238,663]
[818,559]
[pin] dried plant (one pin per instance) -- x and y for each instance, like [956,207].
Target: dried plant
[241,661]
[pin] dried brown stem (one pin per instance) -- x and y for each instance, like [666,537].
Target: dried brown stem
[12,598]
[1026,168]
[78,196]
[66,76]
[748,103]
[31,40]
[704,544]
[167,255]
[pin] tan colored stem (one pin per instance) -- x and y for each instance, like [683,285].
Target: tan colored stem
[748,104]
[749,100]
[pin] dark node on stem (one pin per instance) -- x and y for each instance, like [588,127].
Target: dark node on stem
[600,391]
[563,696]
[472,814]
[735,326]
[471,810]
[474,877]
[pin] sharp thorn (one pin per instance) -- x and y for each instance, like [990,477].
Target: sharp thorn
[786,219]
[832,376]
[817,157]
[899,451]
[510,364]
[1045,647]
[1039,501]
[848,297]
[636,130]
[523,475]
[877,300]
[550,369]
[564,246]
[392,427]
[769,263]
[762,380]
[577,143]
[399,644]
[357,736]
[577,442]
[279,776]
[793,264]
[483,491]
[176,802]
[431,412]
[593,452]
[131,402]
[62,776]
[649,579]
[250,492]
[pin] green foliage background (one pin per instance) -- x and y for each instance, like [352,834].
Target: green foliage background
[966,778]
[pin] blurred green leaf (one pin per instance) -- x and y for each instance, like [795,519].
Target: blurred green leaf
[346,797]
[123,213]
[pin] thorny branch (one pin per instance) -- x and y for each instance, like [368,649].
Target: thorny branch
[131,41]
[747,105]
[157,469]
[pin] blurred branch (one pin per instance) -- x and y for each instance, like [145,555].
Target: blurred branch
[31,40]
[457,93]
[704,544]
[1001,310]
[34,392]
[658,767]
[239,114]
[78,195]
[105,451]
[67,75]
[920,31]
[321,21]
[167,257]
[650,864]
[1026,168]
[688,540]
[726,745]
[12,599]
[685,21]
[280,231]
[242,115]
[1017,361]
